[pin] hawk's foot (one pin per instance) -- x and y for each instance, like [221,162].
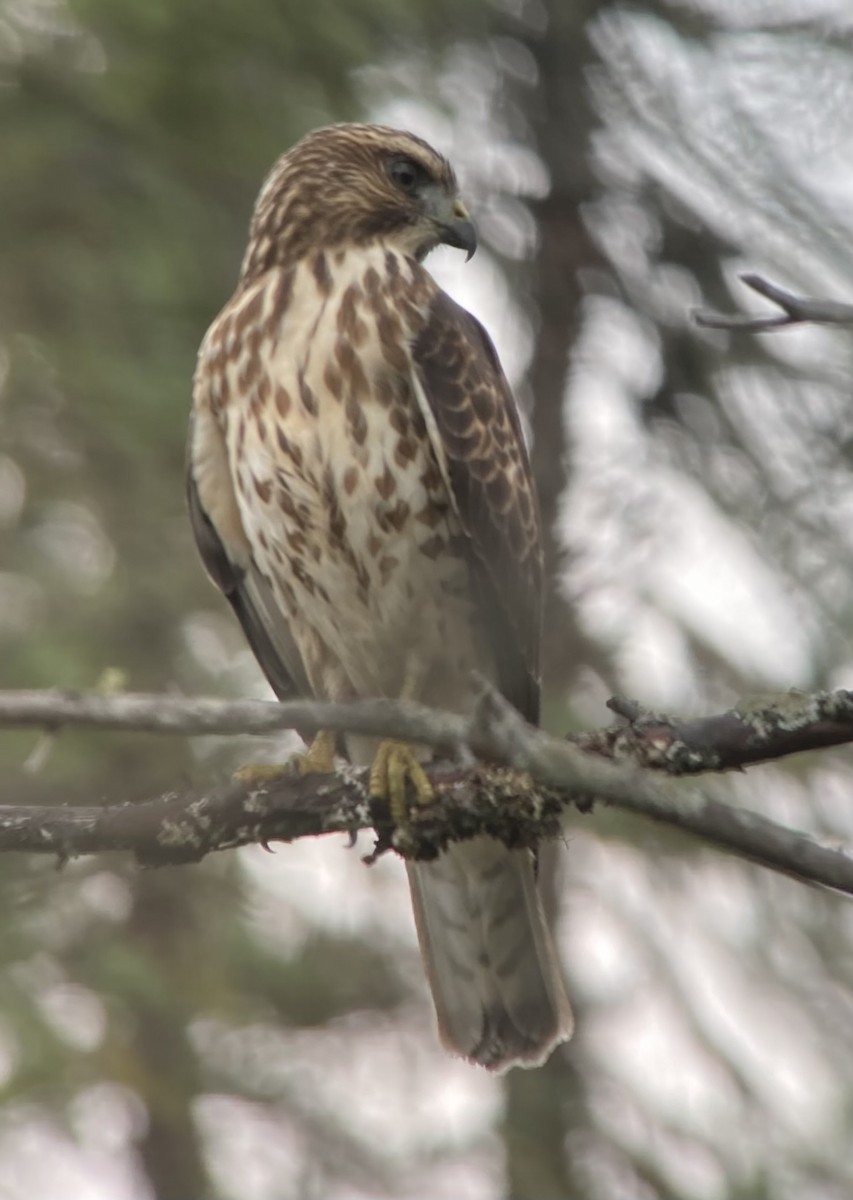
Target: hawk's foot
[318,759]
[394,764]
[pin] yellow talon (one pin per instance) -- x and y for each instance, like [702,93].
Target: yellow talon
[394,764]
[318,759]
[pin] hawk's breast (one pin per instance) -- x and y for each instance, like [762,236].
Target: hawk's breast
[342,494]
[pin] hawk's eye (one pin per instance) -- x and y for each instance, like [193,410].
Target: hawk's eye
[405,173]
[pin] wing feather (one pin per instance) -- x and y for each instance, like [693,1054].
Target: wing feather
[482,447]
[227,559]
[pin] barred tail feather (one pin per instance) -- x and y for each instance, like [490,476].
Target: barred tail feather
[495,981]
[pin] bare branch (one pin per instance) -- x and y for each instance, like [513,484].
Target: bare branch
[194,715]
[763,727]
[796,310]
[519,805]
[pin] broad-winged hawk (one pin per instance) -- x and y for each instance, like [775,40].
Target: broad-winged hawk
[360,491]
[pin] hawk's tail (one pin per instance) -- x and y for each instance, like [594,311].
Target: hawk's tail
[495,981]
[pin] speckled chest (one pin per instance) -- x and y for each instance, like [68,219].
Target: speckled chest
[341,490]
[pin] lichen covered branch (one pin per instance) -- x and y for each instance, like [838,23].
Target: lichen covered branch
[517,791]
[758,729]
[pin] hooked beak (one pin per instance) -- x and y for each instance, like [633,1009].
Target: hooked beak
[459,231]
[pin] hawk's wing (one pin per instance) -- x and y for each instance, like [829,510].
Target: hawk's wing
[474,416]
[225,553]
[496,983]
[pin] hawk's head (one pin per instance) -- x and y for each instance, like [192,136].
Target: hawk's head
[351,184]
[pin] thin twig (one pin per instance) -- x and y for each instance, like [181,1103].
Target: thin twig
[796,310]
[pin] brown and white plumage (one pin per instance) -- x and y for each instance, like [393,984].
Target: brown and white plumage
[360,491]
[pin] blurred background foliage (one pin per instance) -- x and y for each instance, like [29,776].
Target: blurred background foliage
[257,1028]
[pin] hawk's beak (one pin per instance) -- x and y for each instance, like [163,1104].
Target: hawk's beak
[460,231]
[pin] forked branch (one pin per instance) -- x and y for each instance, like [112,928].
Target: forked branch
[796,310]
[516,792]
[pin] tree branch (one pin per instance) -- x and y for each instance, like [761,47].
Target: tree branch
[760,728]
[796,310]
[518,797]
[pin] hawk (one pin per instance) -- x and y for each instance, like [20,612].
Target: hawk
[360,491]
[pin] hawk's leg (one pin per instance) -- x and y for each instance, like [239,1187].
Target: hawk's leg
[318,759]
[394,764]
